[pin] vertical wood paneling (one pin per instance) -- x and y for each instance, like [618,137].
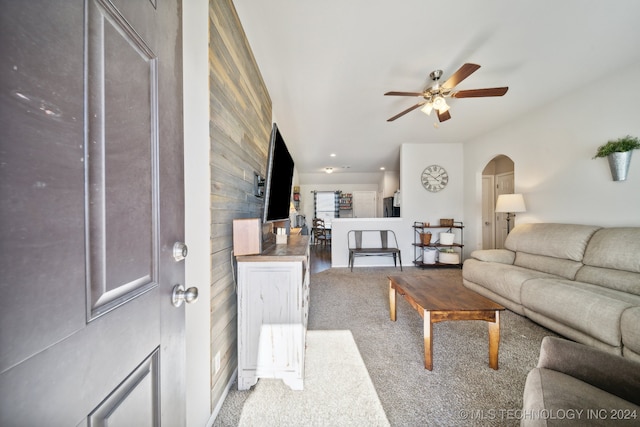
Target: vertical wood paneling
[240,110]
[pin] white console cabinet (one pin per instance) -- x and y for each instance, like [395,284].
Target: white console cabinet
[273,308]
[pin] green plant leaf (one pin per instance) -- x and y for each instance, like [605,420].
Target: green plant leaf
[620,145]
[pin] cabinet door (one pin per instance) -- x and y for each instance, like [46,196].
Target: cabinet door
[270,297]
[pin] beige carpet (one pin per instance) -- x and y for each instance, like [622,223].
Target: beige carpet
[393,353]
[337,390]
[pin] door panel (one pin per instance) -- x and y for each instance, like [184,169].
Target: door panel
[135,401]
[90,105]
[122,161]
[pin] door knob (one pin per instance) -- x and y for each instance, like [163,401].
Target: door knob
[180,251]
[180,295]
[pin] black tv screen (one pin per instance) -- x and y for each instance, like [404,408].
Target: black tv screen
[279,179]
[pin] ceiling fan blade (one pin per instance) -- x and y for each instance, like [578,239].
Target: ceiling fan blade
[404,93]
[444,116]
[419,104]
[463,72]
[478,93]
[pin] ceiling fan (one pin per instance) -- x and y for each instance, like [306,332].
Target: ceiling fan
[434,96]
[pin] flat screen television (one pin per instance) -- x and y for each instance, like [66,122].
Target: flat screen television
[279,180]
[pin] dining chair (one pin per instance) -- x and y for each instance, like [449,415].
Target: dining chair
[320,234]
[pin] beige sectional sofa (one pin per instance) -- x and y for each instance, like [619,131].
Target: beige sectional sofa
[580,281]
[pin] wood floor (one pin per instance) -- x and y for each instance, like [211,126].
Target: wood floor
[320,258]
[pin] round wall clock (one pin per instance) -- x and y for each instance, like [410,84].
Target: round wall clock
[434,178]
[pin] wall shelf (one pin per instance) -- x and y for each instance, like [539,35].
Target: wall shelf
[346,201]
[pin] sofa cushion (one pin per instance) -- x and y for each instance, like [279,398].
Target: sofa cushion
[502,279]
[608,372]
[560,267]
[566,241]
[550,397]
[616,248]
[612,259]
[630,329]
[503,256]
[590,309]
[625,281]
[590,386]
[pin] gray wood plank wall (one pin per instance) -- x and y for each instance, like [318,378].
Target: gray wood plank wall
[240,121]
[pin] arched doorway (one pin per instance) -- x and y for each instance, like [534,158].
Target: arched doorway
[497,178]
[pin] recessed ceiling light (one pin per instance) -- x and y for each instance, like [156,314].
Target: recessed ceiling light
[332,154]
[381,168]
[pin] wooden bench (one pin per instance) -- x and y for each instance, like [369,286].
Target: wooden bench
[376,243]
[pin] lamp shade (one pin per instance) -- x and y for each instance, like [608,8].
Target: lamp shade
[510,203]
[440,104]
[427,108]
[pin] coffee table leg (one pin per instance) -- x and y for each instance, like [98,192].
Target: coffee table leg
[428,344]
[494,341]
[392,302]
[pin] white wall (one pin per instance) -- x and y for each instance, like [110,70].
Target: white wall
[552,149]
[418,204]
[197,212]
[390,182]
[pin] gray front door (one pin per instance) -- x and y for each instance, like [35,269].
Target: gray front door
[92,201]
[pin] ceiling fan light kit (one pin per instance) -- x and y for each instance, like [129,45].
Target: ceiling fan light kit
[434,96]
[440,104]
[428,107]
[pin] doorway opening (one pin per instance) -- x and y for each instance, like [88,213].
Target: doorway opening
[497,179]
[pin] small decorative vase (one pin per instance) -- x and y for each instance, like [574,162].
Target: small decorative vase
[619,165]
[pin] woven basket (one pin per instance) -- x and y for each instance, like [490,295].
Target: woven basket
[446,222]
[425,238]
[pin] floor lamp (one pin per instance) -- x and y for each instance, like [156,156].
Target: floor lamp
[510,203]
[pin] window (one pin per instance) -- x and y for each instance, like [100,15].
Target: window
[326,206]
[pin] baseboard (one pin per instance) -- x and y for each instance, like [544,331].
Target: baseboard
[216,410]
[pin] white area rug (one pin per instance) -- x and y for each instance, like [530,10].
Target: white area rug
[337,390]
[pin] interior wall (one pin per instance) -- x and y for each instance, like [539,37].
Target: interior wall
[418,204]
[391,183]
[240,123]
[552,149]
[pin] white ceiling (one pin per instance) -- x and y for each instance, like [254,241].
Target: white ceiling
[328,63]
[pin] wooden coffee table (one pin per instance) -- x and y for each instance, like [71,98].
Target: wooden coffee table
[440,299]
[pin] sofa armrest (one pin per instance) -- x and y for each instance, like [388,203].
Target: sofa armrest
[609,372]
[502,256]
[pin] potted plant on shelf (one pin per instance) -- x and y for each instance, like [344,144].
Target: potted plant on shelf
[618,153]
